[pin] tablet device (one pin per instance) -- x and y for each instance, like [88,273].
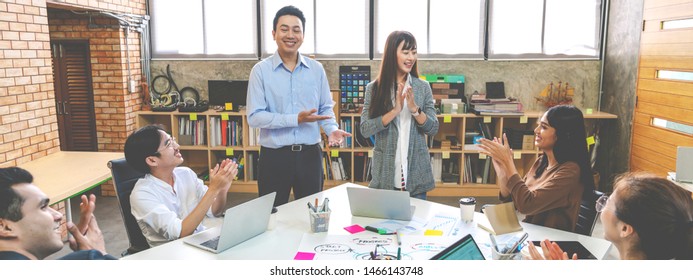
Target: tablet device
[571,247]
[464,249]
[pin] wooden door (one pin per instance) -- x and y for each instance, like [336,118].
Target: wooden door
[665,87]
[74,96]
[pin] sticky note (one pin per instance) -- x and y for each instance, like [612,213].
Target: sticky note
[482,156]
[334,153]
[193,116]
[523,119]
[229,151]
[354,229]
[589,111]
[517,155]
[228,106]
[433,232]
[304,256]
[487,119]
[224,117]
[447,119]
[446,155]
[590,140]
[370,153]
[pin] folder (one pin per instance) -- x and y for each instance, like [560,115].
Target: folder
[501,219]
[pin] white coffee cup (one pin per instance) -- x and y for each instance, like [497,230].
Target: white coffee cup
[467,205]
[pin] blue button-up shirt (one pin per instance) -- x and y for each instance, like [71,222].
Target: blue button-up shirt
[276,96]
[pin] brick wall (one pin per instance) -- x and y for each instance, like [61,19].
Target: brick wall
[113,104]
[28,122]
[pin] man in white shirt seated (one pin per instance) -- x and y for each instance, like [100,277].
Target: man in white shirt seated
[170,202]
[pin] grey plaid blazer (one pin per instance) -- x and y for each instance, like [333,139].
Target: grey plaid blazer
[420,175]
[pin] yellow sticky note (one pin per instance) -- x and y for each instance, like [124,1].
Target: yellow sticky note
[482,156]
[193,116]
[229,151]
[487,119]
[590,140]
[228,106]
[523,119]
[447,119]
[224,117]
[334,153]
[446,155]
[370,153]
[517,155]
[589,111]
[433,232]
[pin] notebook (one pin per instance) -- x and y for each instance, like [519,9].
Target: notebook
[241,223]
[501,219]
[382,204]
[464,249]
[684,164]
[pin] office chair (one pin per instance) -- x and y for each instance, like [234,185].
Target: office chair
[124,179]
[587,216]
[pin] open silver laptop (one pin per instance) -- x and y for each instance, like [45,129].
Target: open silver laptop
[241,223]
[684,164]
[382,204]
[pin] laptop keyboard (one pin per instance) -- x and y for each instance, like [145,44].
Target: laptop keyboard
[212,243]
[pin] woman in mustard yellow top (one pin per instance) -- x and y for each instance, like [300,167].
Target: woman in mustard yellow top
[551,191]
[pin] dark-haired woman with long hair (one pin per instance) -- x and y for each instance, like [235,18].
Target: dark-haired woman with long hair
[551,191]
[398,110]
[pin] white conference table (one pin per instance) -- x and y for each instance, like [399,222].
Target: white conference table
[291,222]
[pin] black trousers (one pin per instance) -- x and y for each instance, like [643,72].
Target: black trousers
[297,166]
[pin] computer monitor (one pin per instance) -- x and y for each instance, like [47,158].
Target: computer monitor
[495,90]
[228,91]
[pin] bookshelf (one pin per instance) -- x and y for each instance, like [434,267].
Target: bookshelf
[354,157]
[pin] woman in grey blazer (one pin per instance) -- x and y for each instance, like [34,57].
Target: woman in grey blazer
[398,110]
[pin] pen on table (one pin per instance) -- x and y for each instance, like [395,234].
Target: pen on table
[399,238]
[399,253]
[495,244]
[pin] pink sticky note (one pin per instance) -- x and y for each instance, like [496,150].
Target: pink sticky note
[304,256]
[354,229]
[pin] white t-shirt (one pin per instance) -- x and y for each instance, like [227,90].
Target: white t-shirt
[402,153]
[159,211]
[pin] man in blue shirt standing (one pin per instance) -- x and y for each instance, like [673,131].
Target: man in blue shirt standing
[289,99]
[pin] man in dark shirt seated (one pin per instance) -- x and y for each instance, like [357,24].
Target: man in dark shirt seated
[30,228]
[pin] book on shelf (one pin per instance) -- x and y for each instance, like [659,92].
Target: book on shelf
[500,219]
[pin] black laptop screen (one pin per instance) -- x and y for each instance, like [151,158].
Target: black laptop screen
[225,91]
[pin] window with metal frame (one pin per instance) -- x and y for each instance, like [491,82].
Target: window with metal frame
[544,29]
[204,29]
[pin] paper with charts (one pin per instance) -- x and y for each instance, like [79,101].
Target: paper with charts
[360,246]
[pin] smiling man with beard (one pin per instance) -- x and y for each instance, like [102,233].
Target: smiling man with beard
[30,228]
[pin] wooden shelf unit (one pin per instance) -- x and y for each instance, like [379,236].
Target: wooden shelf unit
[202,157]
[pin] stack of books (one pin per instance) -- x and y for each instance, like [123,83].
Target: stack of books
[503,107]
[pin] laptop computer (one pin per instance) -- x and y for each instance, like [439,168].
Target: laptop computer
[382,204]
[684,164]
[228,91]
[241,223]
[464,249]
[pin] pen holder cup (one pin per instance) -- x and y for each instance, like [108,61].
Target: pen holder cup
[319,221]
[505,256]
